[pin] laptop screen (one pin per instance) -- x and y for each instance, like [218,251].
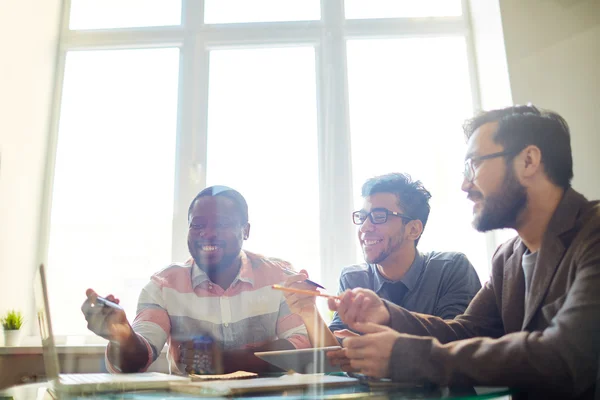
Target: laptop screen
[42,309]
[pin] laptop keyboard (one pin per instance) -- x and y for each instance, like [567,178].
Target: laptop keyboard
[70,379]
[85,378]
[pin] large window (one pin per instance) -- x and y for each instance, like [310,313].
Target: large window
[408,99]
[262,140]
[107,14]
[230,11]
[294,103]
[112,203]
[357,9]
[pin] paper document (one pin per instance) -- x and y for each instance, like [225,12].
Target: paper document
[222,377]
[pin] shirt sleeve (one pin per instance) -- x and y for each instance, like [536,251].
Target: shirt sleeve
[114,370]
[461,284]
[336,323]
[481,318]
[151,323]
[560,360]
[291,328]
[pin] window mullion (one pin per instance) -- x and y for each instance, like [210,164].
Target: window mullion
[473,72]
[337,239]
[193,110]
[492,240]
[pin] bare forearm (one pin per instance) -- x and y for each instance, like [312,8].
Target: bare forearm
[318,331]
[129,355]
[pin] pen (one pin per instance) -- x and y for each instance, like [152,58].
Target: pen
[301,291]
[107,303]
[290,272]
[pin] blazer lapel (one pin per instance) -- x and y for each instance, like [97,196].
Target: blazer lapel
[513,290]
[552,251]
[550,255]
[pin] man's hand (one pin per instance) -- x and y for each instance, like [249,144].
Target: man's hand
[370,353]
[108,322]
[130,354]
[338,357]
[301,304]
[360,305]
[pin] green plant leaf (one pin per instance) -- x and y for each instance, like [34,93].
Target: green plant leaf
[12,320]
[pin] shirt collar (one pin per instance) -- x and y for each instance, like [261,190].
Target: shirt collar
[409,279]
[246,273]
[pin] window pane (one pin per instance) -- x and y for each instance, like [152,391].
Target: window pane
[408,100]
[232,11]
[107,14]
[262,141]
[402,8]
[112,202]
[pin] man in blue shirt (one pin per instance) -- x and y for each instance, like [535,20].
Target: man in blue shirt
[391,222]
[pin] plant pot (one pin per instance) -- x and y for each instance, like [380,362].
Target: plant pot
[12,337]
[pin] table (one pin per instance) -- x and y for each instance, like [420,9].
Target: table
[35,391]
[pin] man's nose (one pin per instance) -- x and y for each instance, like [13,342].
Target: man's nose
[209,232]
[466,185]
[367,226]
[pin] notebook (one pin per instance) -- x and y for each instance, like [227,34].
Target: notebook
[85,383]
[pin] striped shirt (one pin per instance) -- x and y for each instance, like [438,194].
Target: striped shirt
[180,302]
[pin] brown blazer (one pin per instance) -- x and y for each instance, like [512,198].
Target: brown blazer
[547,344]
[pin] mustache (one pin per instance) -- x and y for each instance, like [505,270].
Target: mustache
[473,195]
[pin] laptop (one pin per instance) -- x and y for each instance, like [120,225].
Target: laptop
[86,383]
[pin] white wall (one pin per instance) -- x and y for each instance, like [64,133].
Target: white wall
[553,52]
[28,39]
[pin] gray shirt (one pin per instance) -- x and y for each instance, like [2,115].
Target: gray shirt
[440,284]
[528,262]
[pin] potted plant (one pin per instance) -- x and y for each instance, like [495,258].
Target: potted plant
[12,322]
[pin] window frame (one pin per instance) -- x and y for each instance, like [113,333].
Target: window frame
[195,41]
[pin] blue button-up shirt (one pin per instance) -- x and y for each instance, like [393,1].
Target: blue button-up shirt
[437,283]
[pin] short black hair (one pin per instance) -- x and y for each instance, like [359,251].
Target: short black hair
[412,196]
[522,126]
[225,191]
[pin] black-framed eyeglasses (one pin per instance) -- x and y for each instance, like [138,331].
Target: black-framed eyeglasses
[469,172]
[377,216]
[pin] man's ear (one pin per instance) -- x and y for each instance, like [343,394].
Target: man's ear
[247,231]
[414,229]
[531,161]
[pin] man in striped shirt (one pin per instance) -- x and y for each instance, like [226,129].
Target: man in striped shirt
[222,291]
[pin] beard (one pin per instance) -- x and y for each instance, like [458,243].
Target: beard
[501,209]
[390,247]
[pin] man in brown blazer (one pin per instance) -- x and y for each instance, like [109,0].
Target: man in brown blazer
[535,325]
